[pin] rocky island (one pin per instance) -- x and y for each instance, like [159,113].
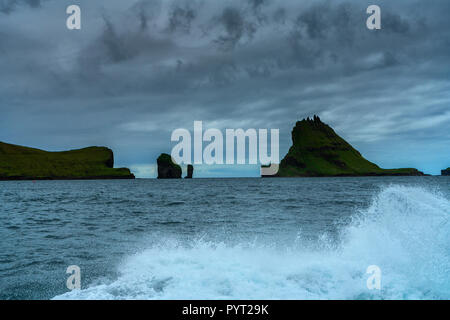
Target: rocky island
[445,172]
[23,163]
[317,151]
[167,169]
[190,171]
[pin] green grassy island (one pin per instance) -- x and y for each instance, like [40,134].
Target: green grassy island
[22,163]
[317,151]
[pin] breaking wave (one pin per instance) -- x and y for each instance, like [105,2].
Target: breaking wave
[405,232]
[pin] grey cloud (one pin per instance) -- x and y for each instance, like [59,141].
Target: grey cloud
[181,19]
[146,11]
[316,19]
[257,4]
[234,25]
[115,46]
[258,7]
[279,16]
[394,23]
[8,6]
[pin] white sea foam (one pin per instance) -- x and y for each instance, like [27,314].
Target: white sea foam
[406,232]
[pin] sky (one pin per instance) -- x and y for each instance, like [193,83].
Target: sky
[137,70]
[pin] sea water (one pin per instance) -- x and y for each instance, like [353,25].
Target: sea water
[307,238]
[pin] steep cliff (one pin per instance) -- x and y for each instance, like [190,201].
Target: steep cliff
[317,151]
[167,169]
[22,163]
[190,171]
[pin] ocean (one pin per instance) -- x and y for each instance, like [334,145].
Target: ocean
[306,238]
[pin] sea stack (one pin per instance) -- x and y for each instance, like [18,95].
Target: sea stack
[317,151]
[167,168]
[190,171]
[445,172]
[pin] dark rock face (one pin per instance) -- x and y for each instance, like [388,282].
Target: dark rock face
[167,169]
[110,161]
[190,171]
[445,172]
[317,151]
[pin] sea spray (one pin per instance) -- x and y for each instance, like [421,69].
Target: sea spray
[405,231]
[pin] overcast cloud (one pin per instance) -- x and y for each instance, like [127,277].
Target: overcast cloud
[139,69]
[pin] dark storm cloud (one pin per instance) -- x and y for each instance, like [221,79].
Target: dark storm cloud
[7,6]
[181,18]
[234,25]
[139,69]
[395,23]
[146,11]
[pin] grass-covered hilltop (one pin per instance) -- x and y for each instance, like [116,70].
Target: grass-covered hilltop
[317,151]
[22,163]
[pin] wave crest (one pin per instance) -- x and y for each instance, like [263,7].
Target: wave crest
[405,232]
